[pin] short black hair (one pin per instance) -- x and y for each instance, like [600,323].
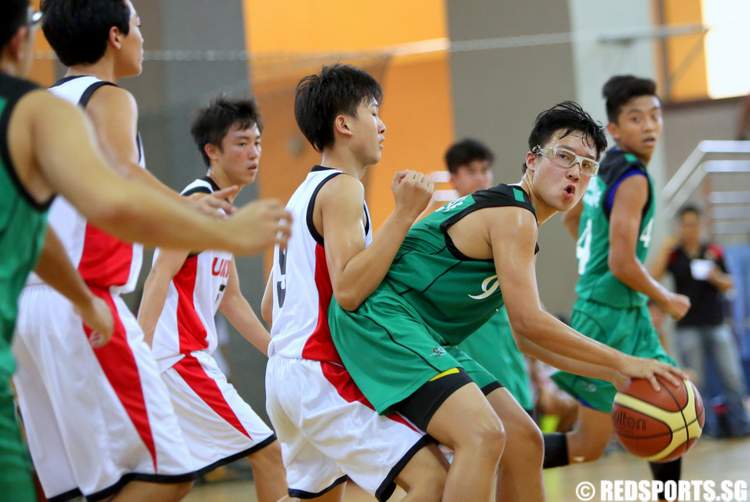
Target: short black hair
[13,15]
[689,208]
[622,88]
[319,98]
[78,30]
[465,152]
[213,122]
[569,117]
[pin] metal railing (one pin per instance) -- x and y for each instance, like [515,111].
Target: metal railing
[729,209]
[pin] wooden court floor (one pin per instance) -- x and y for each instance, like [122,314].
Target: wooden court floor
[716,460]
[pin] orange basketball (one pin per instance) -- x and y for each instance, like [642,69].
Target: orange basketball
[658,426]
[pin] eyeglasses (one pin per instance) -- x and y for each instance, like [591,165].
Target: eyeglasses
[566,159]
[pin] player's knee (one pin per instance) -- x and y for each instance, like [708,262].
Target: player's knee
[268,457]
[180,490]
[486,437]
[428,486]
[532,439]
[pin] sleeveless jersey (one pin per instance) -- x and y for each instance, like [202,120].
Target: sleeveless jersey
[23,223]
[301,285]
[186,323]
[452,293]
[102,260]
[596,282]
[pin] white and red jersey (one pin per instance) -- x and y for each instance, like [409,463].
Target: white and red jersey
[186,323]
[301,284]
[102,260]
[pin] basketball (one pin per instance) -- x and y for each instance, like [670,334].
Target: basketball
[658,426]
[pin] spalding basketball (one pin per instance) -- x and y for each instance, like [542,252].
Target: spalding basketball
[658,426]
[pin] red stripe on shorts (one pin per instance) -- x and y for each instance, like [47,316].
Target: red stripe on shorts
[120,367]
[190,369]
[347,389]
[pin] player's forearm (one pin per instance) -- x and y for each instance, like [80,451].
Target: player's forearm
[568,364]
[54,268]
[134,212]
[136,173]
[240,314]
[723,282]
[634,275]
[364,273]
[553,335]
[152,303]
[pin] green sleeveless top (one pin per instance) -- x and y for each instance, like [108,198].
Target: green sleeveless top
[23,222]
[596,282]
[452,293]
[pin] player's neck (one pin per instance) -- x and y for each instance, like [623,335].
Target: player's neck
[343,160]
[222,181]
[645,158]
[543,210]
[104,69]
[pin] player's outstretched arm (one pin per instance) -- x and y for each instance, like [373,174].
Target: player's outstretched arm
[514,263]
[624,227]
[64,148]
[55,268]
[240,314]
[114,114]
[357,270]
[572,218]
[571,365]
[155,289]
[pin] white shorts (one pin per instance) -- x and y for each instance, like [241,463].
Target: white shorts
[218,425]
[94,419]
[328,431]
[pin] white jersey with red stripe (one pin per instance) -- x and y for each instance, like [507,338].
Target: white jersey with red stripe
[301,283]
[186,323]
[102,260]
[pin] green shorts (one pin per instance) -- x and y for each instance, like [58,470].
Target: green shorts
[15,469]
[627,330]
[494,347]
[390,352]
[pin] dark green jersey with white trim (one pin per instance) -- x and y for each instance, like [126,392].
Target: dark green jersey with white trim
[452,293]
[596,281]
[23,222]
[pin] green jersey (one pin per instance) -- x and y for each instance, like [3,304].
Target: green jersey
[596,281]
[453,294]
[23,224]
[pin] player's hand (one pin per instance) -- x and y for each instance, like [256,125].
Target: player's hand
[412,191]
[620,381]
[259,225]
[213,204]
[97,316]
[638,367]
[676,306]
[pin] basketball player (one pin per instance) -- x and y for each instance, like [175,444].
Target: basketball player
[327,429]
[454,269]
[469,163]
[39,135]
[181,296]
[613,225]
[100,421]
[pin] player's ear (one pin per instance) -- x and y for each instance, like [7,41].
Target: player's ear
[614,130]
[212,151]
[531,159]
[115,37]
[341,125]
[16,44]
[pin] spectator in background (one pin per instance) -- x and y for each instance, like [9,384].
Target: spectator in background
[699,272]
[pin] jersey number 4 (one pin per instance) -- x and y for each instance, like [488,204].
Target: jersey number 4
[583,248]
